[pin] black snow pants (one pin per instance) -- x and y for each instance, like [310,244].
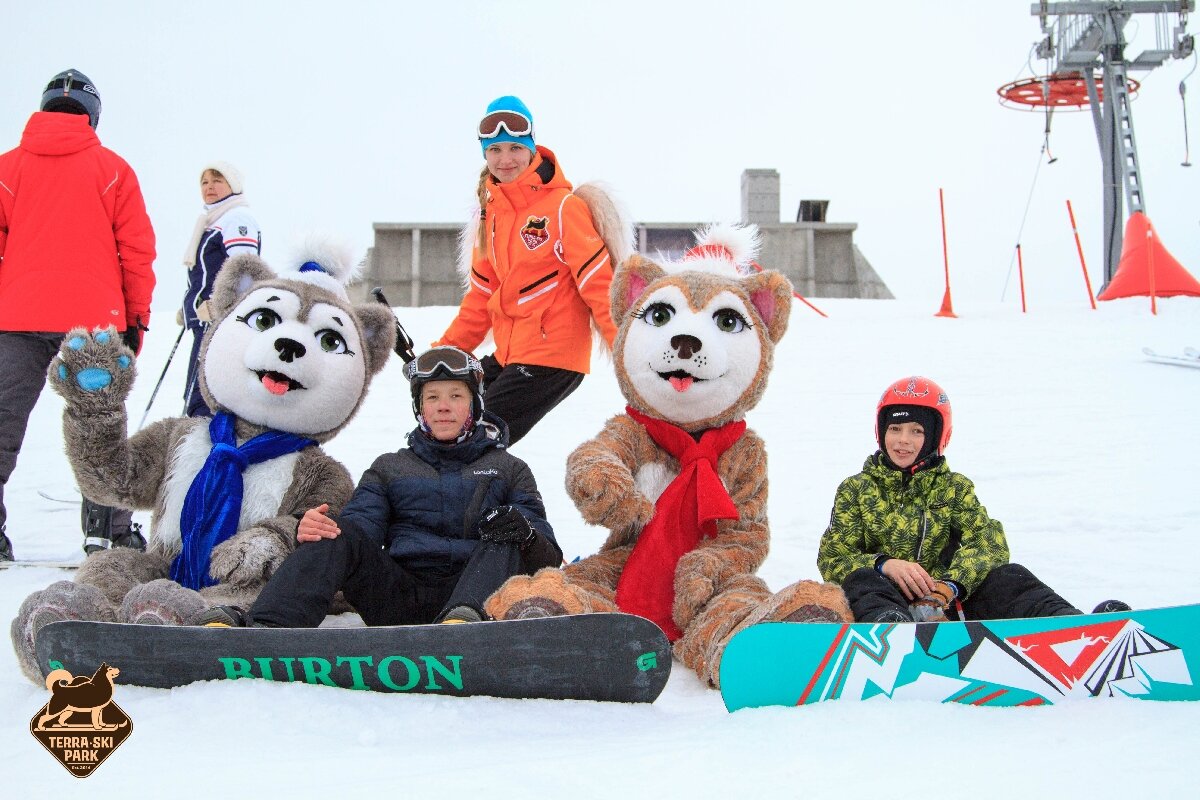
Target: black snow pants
[1009,591]
[24,359]
[521,394]
[380,589]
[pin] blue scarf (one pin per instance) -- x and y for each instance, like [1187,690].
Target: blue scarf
[213,503]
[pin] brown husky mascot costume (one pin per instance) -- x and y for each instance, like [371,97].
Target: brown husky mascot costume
[679,480]
[284,366]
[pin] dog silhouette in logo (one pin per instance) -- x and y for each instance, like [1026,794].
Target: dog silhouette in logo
[84,695]
[534,233]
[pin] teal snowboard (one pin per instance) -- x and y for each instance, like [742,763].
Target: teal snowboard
[1150,655]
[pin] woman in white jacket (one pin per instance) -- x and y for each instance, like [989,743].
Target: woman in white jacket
[225,229]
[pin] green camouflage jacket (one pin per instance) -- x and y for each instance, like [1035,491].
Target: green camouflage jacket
[932,518]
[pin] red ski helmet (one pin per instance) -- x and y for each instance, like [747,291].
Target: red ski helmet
[921,392]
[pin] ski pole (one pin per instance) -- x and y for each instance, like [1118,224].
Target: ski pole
[404,342]
[158,385]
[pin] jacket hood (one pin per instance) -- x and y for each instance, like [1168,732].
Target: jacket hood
[52,133]
[542,174]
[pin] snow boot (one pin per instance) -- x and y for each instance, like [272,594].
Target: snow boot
[227,617]
[888,615]
[98,534]
[461,614]
[1109,606]
[6,551]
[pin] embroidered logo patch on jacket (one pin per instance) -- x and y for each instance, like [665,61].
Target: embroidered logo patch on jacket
[534,233]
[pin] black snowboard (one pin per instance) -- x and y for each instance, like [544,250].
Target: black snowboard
[619,657]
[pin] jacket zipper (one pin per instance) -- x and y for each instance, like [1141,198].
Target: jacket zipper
[921,540]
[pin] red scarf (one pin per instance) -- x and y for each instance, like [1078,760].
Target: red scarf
[687,511]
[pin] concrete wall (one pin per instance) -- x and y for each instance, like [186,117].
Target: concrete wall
[415,263]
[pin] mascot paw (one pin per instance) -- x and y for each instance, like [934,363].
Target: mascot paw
[808,601]
[162,602]
[91,365]
[545,594]
[63,600]
[247,559]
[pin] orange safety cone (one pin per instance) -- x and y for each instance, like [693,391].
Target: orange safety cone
[1146,268]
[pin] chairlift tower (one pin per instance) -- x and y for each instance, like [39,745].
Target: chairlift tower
[1084,37]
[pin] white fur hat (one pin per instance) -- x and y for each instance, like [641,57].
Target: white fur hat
[232,175]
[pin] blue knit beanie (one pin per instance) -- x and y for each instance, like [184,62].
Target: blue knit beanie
[501,104]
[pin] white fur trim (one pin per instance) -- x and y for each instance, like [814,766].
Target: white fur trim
[264,486]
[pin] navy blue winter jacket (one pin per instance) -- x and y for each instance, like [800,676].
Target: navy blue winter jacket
[423,503]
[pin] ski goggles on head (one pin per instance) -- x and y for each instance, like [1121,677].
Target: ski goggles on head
[443,361]
[516,123]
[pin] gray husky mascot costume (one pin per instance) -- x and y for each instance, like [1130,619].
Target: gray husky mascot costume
[284,366]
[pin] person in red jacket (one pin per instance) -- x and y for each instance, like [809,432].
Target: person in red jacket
[76,248]
[539,275]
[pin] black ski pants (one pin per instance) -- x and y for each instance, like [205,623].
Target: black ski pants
[380,589]
[193,400]
[521,394]
[24,359]
[1009,591]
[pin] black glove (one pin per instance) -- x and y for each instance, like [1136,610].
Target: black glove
[506,524]
[132,336]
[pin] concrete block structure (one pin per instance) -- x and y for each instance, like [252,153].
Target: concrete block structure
[415,263]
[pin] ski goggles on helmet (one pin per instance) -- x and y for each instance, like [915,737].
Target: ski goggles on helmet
[447,362]
[516,123]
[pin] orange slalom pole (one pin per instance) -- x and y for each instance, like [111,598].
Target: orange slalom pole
[1150,266]
[947,309]
[1021,277]
[1079,247]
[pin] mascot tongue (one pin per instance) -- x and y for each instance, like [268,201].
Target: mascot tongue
[273,386]
[681,384]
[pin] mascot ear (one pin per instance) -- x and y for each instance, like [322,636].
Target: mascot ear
[234,279]
[629,284]
[771,295]
[378,332]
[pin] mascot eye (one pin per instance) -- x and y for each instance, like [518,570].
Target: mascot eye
[332,342]
[730,321]
[261,319]
[657,314]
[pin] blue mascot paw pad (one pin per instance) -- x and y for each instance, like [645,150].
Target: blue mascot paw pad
[62,372]
[93,379]
[76,342]
[102,337]
[123,361]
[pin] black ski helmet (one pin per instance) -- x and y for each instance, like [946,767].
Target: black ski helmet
[72,91]
[446,363]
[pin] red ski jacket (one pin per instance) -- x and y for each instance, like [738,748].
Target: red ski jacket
[76,245]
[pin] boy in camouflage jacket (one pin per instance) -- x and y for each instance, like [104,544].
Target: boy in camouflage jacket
[909,540]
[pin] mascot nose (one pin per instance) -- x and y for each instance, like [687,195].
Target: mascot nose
[686,345]
[289,349]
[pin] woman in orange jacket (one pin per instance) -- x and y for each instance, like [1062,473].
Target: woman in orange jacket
[539,274]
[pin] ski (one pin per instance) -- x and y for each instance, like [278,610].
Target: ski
[53,499]
[45,564]
[1180,361]
[1151,654]
[609,657]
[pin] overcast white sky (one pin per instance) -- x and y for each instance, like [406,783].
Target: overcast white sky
[345,114]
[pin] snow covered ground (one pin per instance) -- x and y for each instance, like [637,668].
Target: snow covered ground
[1084,450]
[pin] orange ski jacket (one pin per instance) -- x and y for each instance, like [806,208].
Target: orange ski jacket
[537,275]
